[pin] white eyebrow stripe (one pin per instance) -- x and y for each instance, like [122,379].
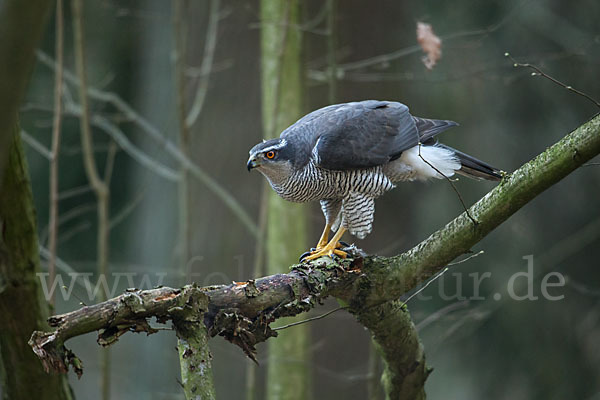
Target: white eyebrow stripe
[275,146]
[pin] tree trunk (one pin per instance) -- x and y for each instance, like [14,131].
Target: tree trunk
[22,306]
[287,377]
[21,26]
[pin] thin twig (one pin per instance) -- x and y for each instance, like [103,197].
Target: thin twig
[180,30]
[68,216]
[451,184]
[37,146]
[434,278]
[331,47]
[86,133]
[374,305]
[126,210]
[207,63]
[466,259]
[429,282]
[72,232]
[310,319]
[65,268]
[100,188]
[539,72]
[312,24]
[121,139]
[386,58]
[171,148]
[431,318]
[56,125]
[110,162]
[73,192]
[280,60]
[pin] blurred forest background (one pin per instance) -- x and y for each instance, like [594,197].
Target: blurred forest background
[145,59]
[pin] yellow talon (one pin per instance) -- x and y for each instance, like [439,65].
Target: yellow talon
[330,248]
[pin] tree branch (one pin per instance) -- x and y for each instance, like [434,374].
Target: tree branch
[242,312]
[398,343]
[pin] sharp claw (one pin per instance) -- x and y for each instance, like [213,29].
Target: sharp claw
[344,244]
[304,255]
[331,253]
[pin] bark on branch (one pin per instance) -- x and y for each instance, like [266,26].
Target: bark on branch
[242,312]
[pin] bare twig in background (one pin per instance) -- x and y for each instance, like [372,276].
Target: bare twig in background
[131,115]
[539,72]
[582,288]
[37,146]
[180,30]
[86,133]
[385,59]
[138,155]
[331,47]
[66,217]
[72,232]
[439,314]
[73,192]
[80,210]
[277,83]
[100,188]
[210,43]
[64,267]
[127,210]
[73,109]
[110,162]
[56,126]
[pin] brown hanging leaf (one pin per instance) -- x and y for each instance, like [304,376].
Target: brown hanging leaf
[430,43]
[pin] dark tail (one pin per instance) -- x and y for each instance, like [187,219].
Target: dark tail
[474,168]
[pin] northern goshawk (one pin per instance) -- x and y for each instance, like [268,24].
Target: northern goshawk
[347,155]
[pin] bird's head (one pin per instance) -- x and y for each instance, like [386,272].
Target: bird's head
[273,158]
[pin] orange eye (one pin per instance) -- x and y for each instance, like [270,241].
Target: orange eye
[270,154]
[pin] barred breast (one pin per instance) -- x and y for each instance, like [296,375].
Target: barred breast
[315,183]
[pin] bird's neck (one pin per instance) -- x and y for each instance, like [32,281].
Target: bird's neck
[277,178]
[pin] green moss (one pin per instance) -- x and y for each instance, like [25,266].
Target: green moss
[22,307]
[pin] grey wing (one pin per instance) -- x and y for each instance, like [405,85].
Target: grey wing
[364,134]
[310,117]
[428,128]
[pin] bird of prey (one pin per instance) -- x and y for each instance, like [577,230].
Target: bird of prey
[347,155]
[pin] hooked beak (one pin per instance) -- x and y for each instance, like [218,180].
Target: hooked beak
[252,164]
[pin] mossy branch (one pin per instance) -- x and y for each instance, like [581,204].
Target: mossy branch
[397,341]
[242,312]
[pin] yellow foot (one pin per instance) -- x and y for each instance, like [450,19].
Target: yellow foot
[330,249]
[326,251]
[324,238]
